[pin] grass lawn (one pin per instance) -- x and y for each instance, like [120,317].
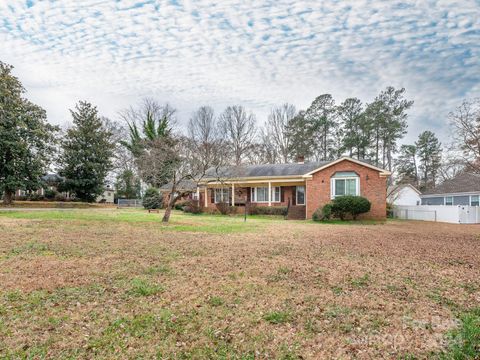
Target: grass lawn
[108,283]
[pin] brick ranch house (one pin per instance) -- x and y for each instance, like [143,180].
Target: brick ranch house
[303,187]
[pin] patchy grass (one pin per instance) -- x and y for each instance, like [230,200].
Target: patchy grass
[142,287]
[465,340]
[102,283]
[277,317]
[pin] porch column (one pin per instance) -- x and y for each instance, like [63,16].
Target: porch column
[269,193]
[206,196]
[198,194]
[233,194]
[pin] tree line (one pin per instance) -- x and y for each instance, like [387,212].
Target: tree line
[146,144]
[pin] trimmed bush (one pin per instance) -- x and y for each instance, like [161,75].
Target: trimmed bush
[50,194]
[343,206]
[152,199]
[193,207]
[267,210]
[323,213]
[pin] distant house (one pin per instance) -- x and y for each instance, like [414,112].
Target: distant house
[403,194]
[303,186]
[463,189]
[108,195]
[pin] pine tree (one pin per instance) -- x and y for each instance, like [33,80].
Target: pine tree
[87,151]
[323,127]
[406,164]
[356,128]
[26,139]
[429,151]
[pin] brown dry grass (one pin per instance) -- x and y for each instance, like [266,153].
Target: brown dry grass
[114,288]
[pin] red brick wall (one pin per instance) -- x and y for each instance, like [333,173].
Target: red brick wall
[374,189]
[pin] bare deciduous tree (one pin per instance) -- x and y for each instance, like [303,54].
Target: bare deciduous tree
[465,121]
[204,137]
[275,134]
[239,131]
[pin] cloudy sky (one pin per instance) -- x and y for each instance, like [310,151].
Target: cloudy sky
[254,53]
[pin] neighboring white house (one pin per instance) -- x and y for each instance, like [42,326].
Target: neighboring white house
[108,196]
[403,194]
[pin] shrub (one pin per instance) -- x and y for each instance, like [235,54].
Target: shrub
[60,197]
[323,213]
[349,205]
[36,197]
[193,207]
[267,210]
[389,210]
[50,194]
[224,208]
[152,199]
[180,205]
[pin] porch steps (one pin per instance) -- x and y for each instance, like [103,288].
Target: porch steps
[296,212]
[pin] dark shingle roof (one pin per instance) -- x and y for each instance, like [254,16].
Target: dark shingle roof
[263,170]
[464,182]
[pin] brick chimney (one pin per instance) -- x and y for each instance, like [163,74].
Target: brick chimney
[300,159]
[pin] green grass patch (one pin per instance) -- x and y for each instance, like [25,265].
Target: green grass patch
[277,317]
[180,222]
[216,301]
[142,287]
[360,282]
[465,341]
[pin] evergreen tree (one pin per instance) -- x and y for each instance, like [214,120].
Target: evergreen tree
[429,151]
[87,151]
[406,164]
[26,138]
[322,127]
[128,185]
[300,139]
[356,136]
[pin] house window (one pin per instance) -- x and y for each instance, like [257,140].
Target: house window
[475,200]
[222,195]
[448,200]
[345,183]
[260,194]
[300,195]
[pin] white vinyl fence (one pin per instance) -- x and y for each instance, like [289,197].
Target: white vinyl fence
[129,203]
[458,214]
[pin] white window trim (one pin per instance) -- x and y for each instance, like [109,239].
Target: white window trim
[332,185]
[222,200]
[304,195]
[445,201]
[470,202]
[253,194]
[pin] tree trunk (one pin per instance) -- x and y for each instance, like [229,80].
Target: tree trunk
[7,197]
[168,211]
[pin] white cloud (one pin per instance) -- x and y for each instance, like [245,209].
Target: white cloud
[254,53]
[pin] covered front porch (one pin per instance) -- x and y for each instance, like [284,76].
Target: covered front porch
[289,194]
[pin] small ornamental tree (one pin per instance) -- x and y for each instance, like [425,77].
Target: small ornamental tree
[343,206]
[152,199]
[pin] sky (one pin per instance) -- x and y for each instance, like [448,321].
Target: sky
[254,53]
